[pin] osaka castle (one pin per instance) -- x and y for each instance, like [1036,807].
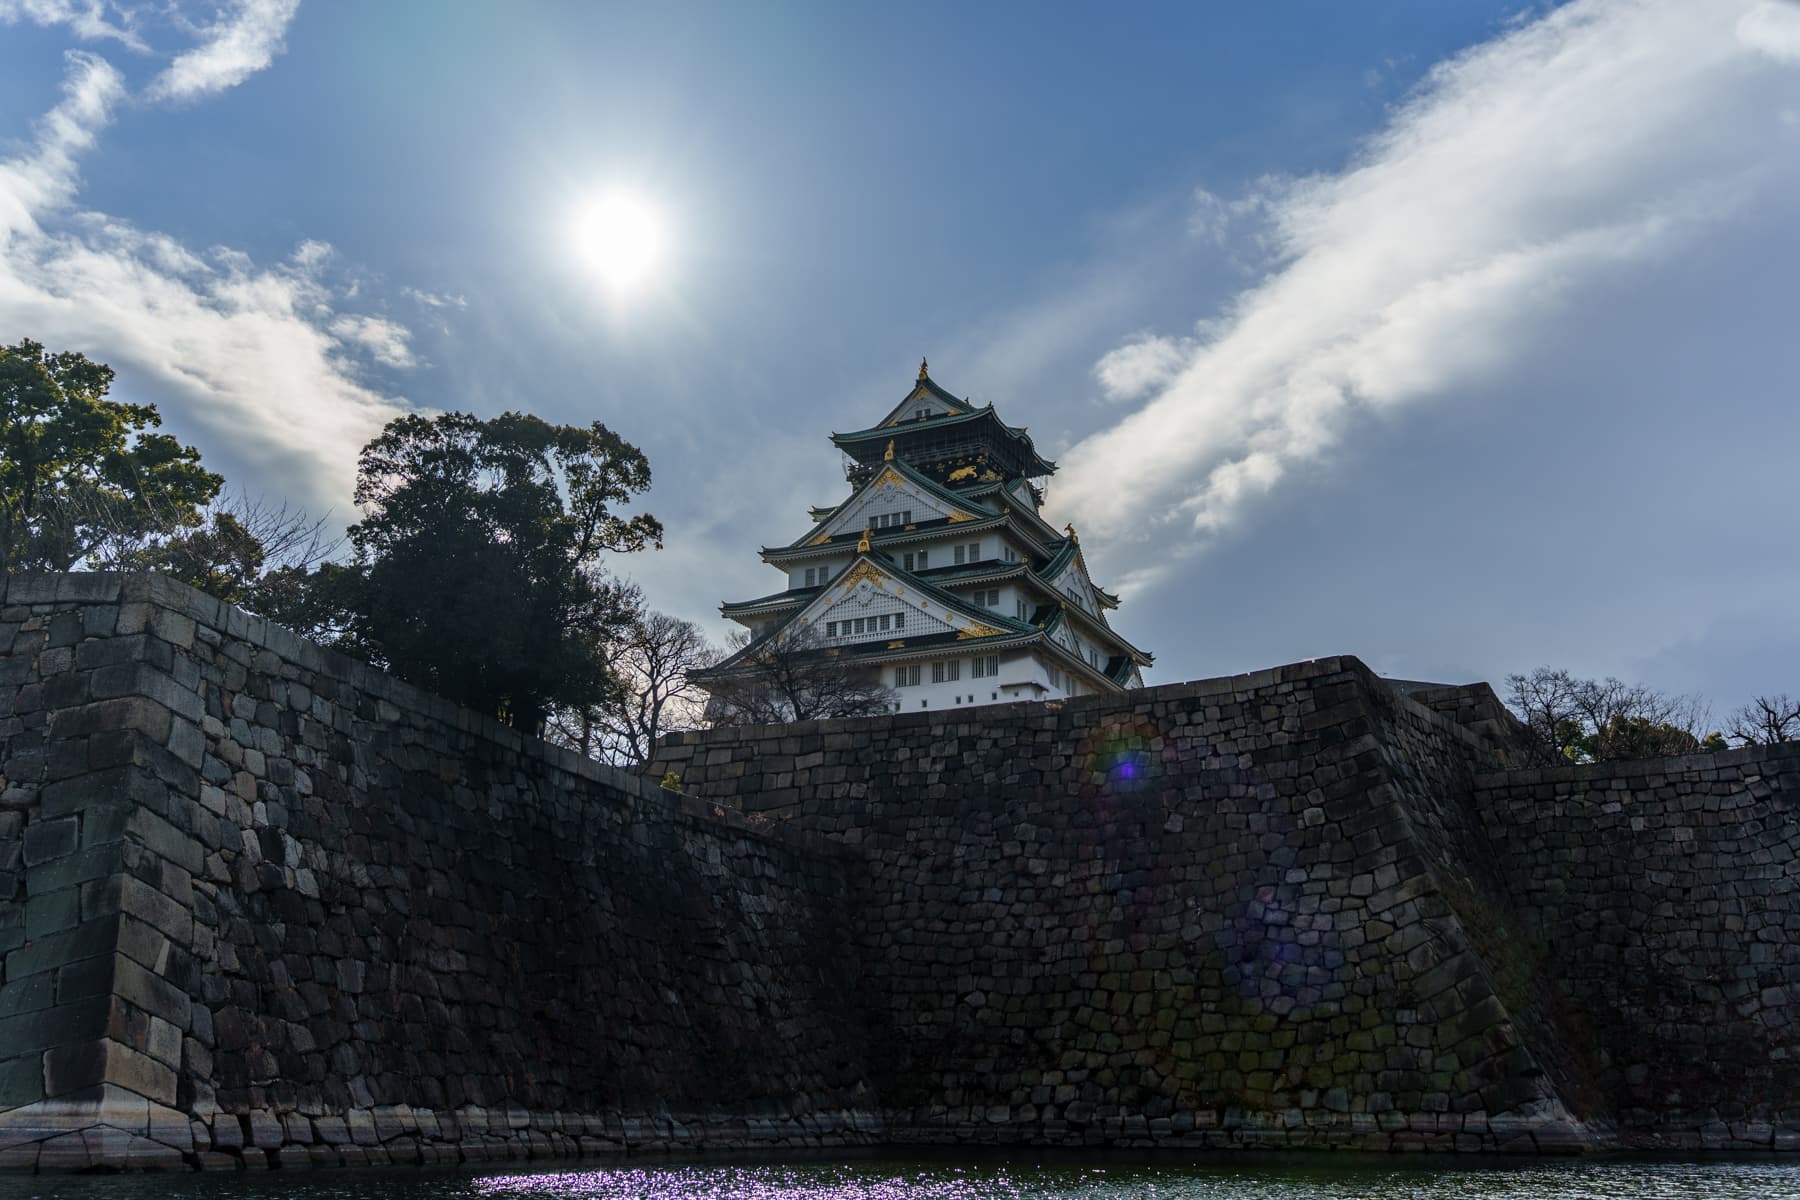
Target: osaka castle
[937,575]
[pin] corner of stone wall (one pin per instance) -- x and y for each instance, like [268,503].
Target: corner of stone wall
[99,740]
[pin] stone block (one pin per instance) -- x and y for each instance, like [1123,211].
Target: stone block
[137,985]
[51,912]
[142,901]
[50,839]
[74,1067]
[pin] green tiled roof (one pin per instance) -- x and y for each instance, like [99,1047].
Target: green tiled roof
[913,475]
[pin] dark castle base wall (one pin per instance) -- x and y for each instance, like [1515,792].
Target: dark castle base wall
[260,904]
[1296,909]
[1660,897]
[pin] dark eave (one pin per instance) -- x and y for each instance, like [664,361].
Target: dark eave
[948,600]
[866,441]
[771,602]
[883,539]
[1095,628]
[926,383]
[912,475]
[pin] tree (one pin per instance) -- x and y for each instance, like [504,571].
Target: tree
[790,676]
[80,473]
[476,567]
[1766,721]
[1595,720]
[651,663]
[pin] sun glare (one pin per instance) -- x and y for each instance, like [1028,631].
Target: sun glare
[621,237]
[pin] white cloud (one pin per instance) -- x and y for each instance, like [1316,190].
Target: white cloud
[46,177]
[90,19]
[1568,149]
[382,338]
[433,299]
[263,358]
[1142,364]
[1773,28]
[236,47]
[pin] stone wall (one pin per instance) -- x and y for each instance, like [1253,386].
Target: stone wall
[1206,914]
[1298,908]
[265,904]
[1660,899]
[260,904]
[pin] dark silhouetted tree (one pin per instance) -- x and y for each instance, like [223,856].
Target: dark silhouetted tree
[1766,721]
[790,676]
[1570,719]
[650,663]
[476,569]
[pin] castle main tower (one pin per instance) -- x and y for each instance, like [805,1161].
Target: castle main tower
[937,572]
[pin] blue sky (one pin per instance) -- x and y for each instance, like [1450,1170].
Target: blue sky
[1454,336]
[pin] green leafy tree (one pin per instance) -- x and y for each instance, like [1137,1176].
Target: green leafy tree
[82,476]
[477,565]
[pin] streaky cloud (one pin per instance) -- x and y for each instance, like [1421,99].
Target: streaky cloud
[236,47]
[1564,151]
[264,359]
[92,20]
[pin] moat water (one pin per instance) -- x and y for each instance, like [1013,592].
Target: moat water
[945,1179]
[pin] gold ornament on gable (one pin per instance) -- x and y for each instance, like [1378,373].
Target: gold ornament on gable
[864,569]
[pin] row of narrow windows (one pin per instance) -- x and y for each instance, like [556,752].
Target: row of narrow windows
[891,520]
[858,625]
[982,666]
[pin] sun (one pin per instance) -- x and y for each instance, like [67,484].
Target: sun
[621,236]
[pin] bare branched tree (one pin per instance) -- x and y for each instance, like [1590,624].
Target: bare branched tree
[145,532]
[791,676]
[655,696]
[1766,721]
[1592,720]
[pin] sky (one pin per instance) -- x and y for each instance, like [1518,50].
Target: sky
[1457,337]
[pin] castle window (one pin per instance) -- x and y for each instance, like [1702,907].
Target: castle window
[1019,609]
[974,551]
[924,559]
[810,574]
[906,677]
[946,672]
[899,620]
[959,556]
[831,628]
[884,622]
